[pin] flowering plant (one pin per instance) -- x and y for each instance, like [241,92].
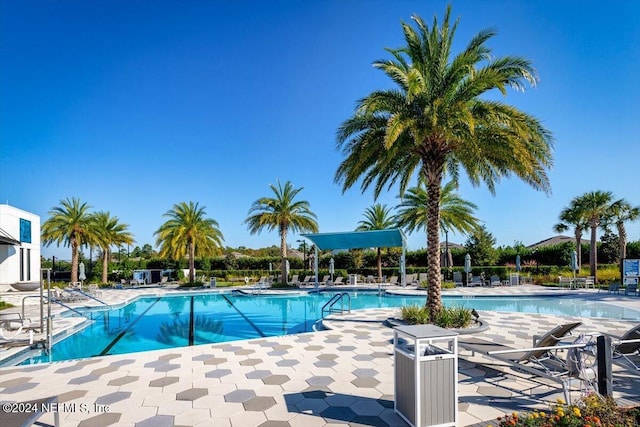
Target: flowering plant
[591,411]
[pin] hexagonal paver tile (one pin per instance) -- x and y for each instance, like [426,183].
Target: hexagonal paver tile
[259,403]
[192,394]
[338,414]
[367,407]
[123,380]
[365,372]
[325,363]
[168,357]
[313,347]
[218,373]
[258,374]
[368,421]
[123,362]
[319,381]
[105,370]
[363,357]
[157,421]
[314,394]
[494,391]
[245,352]
[277,353]
[274,423]
[366,382]
[327,356]
[239,396]
[381,354]
[163,382]
[287,362]
[111,398]
[250,362]
[167,367]
[275,379]
[105,419]
[81,380]
[346,348]
[215,360]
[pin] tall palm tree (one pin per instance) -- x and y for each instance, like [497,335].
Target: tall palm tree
[571,216]
[594,206]
[621,211]
[435,122]
[70,224]
[188,232]
[284,213]
[456,214]
[110,231]
[377,217]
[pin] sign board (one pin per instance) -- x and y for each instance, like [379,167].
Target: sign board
[631,267]
[630,271]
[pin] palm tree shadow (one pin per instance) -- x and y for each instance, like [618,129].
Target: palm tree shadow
[344,408]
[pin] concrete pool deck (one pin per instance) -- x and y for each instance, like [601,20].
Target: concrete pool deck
[337,377]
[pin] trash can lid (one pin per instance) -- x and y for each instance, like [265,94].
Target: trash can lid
[425,331]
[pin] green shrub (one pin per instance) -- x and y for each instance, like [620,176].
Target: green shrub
[448,317]
[415,315]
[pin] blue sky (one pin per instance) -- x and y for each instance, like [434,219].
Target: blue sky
[133,106]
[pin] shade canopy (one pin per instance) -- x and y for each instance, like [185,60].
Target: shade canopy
[389,238]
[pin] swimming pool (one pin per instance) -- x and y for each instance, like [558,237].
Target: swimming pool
[153,323]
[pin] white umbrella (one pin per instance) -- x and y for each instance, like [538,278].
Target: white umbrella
[331,268]
[467,265]
[286,266]
[518,268]
[574,261]
[81,275]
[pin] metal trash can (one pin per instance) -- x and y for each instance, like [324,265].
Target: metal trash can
[353,279]
[426,380]
[212,282]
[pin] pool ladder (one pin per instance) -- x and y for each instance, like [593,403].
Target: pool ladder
[329,305]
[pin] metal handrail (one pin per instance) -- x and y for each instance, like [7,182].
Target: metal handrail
[328,306]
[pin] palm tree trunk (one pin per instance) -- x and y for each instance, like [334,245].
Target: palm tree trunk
[379,266]
[622,240]
[192,262]
[105,264]
[74,259]
[283,255]
[593,254]
[432,169]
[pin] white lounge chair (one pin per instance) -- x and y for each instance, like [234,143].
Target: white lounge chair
[538,360]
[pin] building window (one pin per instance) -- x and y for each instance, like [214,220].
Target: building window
[22,264]
[28,264]
[25,230]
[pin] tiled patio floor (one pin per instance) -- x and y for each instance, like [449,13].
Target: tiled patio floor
[338,377]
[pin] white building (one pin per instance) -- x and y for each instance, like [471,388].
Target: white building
[19,246]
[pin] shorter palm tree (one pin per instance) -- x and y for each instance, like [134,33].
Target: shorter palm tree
[377,217]
[110,231]
[71,225]
[189,233]
[284,213]
[571,216]
[621,211]
[594,206]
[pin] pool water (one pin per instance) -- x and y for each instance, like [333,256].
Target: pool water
[173,321]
